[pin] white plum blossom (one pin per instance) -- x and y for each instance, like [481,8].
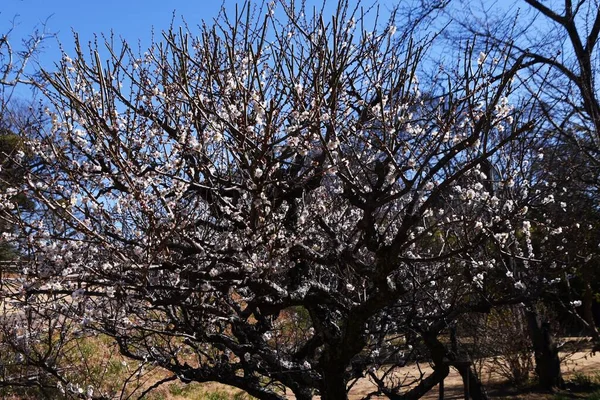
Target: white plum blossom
[251,198]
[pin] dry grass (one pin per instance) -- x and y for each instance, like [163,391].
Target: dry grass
[96,361]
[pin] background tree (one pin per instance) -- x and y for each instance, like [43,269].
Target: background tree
[17,118]
[558,42]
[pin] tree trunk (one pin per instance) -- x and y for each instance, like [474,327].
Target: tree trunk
[440,372]
[588,314]
[303,394]
[476,388]
[547,362]
[334,385]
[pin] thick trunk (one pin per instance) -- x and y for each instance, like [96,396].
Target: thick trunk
[334,385]
[547,362]
[439,374]
[476,388]
[440,371]
[303,394]
[471,381]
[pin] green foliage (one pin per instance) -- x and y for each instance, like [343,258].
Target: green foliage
[242,396]
[196,391]
[585,381]
[564,396]
[156,395]
[11,173]
[177,389]
[561,396]
[594,396]
[582,380]
[217,395]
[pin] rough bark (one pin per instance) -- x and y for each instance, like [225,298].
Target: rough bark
[547,362]
[334,385]
[476,388]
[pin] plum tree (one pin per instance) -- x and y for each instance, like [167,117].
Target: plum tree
[282,201]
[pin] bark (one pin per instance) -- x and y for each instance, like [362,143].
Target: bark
[547,362]
[440,370]
[334,385]
[303,394]
[438,375]
[476,388]
[588,314]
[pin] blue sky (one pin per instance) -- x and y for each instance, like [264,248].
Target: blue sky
[132,20]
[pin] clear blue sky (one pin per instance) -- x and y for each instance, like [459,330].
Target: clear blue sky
[131,19]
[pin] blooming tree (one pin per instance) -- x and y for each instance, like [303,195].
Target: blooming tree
[558,41]
[273,202]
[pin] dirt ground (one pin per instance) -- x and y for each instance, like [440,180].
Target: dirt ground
[580,362]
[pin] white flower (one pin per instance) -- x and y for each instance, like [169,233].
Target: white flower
[576,303]
[333,144]
[519,285]
[481,58]
[391,283]
[302,219]
[548,200]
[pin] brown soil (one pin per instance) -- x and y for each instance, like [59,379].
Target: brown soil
[581,362]
[577,362]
